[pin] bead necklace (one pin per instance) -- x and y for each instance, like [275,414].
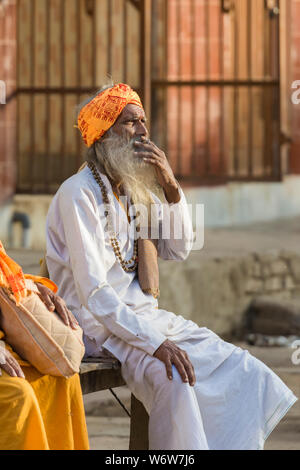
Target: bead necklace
[113,239]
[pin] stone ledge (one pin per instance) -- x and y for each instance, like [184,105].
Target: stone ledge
[216,292]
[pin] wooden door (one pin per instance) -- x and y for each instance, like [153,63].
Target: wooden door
[67,49]
[216,88]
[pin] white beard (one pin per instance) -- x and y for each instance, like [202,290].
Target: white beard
[115,156]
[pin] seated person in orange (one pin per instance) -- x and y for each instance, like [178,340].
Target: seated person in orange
[37,412]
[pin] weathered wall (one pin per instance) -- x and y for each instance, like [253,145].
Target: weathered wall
[216,130]
[294,74]
[7,111]
[67,48]
[216,292]
[246,203]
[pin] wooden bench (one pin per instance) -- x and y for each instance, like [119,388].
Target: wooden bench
[102,373]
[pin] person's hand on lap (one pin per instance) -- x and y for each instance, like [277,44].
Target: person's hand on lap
[10,364]
[170,354]
[55,303]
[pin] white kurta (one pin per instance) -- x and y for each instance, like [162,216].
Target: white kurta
[237,400]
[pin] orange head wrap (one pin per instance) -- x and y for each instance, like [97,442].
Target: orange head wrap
[11,276]
[101,113]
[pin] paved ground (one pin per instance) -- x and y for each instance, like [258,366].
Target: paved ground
[109,425]
[259,237]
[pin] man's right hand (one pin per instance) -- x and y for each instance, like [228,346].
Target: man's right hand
[10,364]
[170,354]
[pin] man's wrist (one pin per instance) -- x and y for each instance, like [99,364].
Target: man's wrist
[172,193]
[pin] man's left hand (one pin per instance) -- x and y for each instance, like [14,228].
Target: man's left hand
[165,176]
[55,303]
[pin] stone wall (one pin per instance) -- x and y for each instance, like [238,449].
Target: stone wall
[217,292]
[245,203]
[274,274]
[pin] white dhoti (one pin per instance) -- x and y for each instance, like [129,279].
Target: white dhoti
[236,401]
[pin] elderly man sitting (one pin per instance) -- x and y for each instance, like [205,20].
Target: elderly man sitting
[200,391]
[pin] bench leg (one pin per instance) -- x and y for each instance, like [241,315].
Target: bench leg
[138,426]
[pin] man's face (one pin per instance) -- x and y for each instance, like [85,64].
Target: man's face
[131,123]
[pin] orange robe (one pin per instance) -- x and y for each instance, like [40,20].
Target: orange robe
[42,412]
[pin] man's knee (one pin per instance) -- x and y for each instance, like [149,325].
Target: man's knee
[158,376]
